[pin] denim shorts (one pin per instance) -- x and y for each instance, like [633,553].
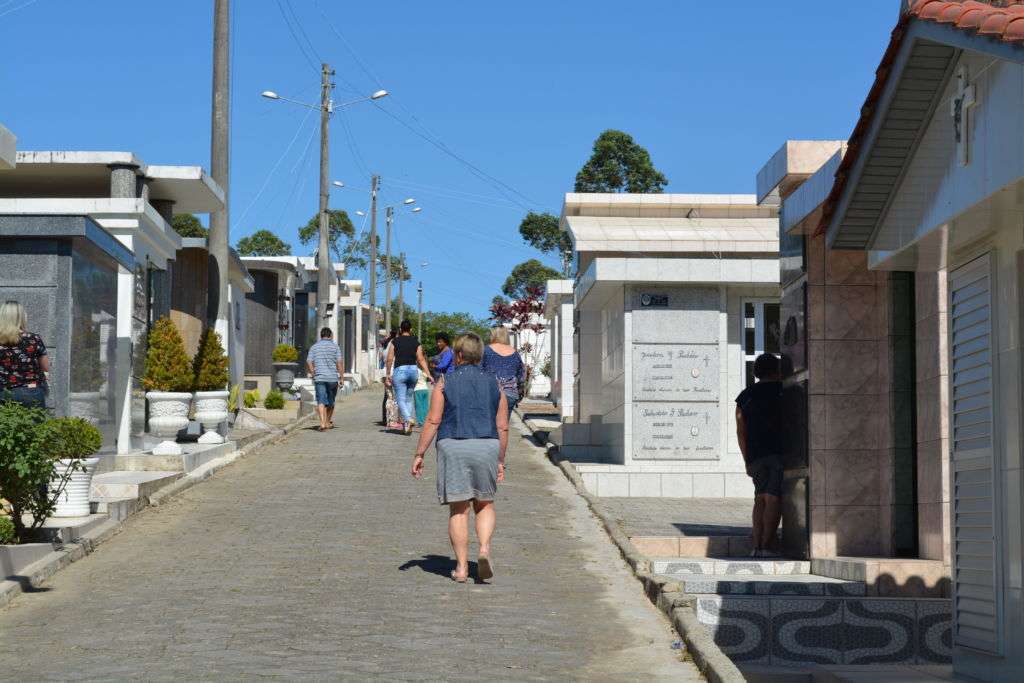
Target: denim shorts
[767,474]
[325,393]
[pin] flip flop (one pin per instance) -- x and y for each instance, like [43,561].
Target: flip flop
[484,570]
[459,579]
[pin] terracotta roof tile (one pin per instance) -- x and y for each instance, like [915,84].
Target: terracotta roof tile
[1001,20]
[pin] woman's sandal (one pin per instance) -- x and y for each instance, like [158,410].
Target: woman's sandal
[484,570]
[459,579]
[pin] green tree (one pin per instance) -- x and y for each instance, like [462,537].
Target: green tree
[187,225]
[541,231]
[453,324]
[357,255]
[619,164]
[339,225]
[210,365]
[528,274]
[263,243]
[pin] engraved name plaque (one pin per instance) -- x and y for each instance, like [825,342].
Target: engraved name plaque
[675,431]
[675,372]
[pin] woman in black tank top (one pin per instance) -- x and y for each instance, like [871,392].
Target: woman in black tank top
[404,355]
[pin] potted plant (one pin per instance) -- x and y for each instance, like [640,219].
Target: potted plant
[87,375]
[274,400]
[71,442]
[285,365]
[210,367]
[168,383]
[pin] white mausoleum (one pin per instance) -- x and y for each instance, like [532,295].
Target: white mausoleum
[675,296]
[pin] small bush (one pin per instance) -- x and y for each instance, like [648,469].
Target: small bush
[285,353]
[210,366]
[233,398]
[251,398]
[70,437]
[7,533]
[167,364]
[274,400]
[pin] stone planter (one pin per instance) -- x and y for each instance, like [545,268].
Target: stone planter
[168,414]
[211,410]
[284,375]
[74,499]
[86,405]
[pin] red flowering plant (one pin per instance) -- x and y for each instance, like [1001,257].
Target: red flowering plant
[525,314]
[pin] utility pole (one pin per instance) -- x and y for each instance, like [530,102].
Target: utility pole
[419,308]
[401,280]
[323,261]
[373,276]
[389,214]
[220,122]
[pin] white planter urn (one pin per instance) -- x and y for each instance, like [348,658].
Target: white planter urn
[86,405]
[74,499]
[211,410]
[168,414]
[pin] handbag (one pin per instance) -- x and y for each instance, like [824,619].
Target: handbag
[394,416]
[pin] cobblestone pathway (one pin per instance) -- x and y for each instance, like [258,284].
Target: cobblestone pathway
[322,559]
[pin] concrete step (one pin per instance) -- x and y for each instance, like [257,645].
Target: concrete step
[767,584]
[723,546]
[195,455]
[129,485]
[67,529]
[732,566]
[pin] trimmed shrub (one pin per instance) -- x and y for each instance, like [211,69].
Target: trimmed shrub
[210,366]
[285,353]
[274,400]
[251,398]
[167,364]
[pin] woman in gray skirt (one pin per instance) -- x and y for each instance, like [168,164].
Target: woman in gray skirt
[469,417]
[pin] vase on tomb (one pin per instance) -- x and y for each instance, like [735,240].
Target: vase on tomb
[211,410]
[73,501]
[168,414]
[284,375]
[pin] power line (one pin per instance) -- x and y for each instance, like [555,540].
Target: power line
[295,38]
[15,9]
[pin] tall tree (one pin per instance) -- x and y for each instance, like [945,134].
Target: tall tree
[619,164]
[528,275]
[541,231]
[263,243]
[187,225]
[339,226]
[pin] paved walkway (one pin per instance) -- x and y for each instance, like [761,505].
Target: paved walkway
[322,559]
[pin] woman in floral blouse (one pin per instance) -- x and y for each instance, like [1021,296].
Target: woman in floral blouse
[23,359]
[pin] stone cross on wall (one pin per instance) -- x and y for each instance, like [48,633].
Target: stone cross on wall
[960,108]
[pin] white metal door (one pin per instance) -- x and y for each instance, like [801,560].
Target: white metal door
[977,591]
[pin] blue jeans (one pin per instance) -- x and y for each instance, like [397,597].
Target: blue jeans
[30,397]
[325,393]
[404,379]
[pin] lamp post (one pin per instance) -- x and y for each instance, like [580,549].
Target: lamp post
[326,107]
[419,306]
[390,217]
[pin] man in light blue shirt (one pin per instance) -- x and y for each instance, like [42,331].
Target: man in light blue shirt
[324,364]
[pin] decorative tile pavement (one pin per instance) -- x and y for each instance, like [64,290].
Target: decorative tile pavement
[806,631]
[880,632]
[934,631]
[739,626]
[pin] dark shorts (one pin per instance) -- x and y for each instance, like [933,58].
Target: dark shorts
[325,393]
[767,475]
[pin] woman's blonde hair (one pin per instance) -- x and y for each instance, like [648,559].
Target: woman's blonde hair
[469,348]
[499,335]
[13,321]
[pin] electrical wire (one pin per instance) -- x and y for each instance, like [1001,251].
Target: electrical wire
[15,9]
[295,38]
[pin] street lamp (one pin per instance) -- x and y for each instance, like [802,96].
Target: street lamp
[389,214]
[326,106]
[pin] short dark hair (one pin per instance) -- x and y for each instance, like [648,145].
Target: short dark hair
[767,365]
[443,336]
[325,333]
[406,326]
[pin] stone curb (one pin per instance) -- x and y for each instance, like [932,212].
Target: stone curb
[666,594]
[38,572]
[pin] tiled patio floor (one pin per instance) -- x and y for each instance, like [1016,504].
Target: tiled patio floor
[680,516]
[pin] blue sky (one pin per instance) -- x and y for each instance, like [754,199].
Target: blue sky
[520,90]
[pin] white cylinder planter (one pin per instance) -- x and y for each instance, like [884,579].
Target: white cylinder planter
[73,501]
[168,414]
[211,410]
[86,405]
